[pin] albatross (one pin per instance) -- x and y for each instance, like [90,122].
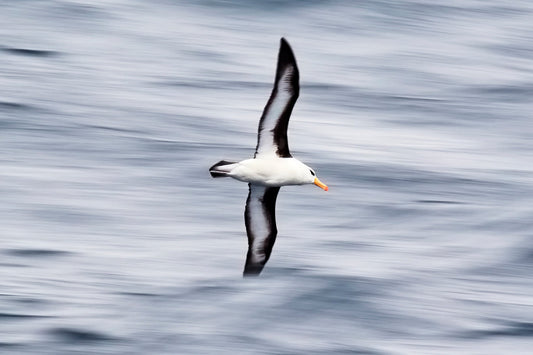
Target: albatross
[272,166]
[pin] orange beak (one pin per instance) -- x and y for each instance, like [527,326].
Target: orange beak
[321,184]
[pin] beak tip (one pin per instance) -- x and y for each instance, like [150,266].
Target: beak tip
[321,184]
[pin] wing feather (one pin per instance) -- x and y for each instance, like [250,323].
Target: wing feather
[260,221]
[272,132]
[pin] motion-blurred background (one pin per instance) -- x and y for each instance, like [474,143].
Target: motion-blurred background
[115,240]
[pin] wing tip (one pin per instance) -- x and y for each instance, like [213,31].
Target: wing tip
[252,270]
[285,52]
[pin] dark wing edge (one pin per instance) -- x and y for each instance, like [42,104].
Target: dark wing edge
[275,118]
[260,221]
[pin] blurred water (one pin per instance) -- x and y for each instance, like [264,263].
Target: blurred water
[115,239]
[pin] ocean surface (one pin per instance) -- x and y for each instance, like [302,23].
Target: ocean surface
[114,239]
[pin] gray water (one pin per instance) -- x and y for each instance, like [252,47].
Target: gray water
[115,240]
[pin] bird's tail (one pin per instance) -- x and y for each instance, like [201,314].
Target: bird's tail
[221,169]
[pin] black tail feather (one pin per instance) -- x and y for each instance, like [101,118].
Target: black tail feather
[216,172]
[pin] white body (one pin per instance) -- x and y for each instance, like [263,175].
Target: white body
[272,171]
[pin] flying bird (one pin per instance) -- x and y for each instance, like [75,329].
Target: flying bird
[272,166]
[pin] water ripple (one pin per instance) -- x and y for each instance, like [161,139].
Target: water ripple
[42,53]
[15,316]
[510,329]
[36,252]
[73,335]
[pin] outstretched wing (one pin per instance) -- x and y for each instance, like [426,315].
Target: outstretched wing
[272,133]
[260,220]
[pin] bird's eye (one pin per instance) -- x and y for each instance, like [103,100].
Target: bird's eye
[312,172]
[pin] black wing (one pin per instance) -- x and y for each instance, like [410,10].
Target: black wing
[260,220]
[272,133]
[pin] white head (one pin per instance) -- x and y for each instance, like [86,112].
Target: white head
[308,176]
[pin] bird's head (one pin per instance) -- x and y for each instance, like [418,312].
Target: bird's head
[311,178]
